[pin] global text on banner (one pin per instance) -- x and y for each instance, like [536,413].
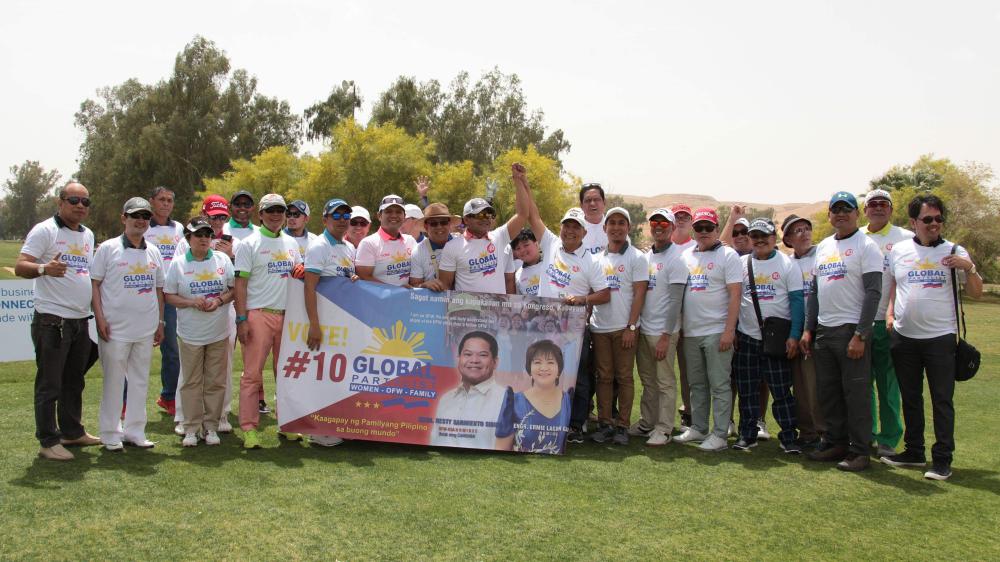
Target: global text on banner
[467,370]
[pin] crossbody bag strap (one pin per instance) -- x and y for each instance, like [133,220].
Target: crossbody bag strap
[753,292]
[959,309]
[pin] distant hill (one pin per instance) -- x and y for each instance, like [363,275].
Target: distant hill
[695,201]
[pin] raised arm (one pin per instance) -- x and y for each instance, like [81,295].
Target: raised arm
[522,200]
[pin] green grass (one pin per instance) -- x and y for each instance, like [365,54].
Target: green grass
[368,500]
[9,250]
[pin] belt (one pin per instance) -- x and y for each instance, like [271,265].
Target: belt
[277,311]
[47,316]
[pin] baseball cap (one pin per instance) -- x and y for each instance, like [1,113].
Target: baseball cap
[846,197]
[358,211]
[705,214]
[413,212]
[215,205]
[618,211]
[791,219]
[334,204]
[681,208]
[272,200]
[196,224]
[301,205]
[242,193]
[575,214]
[476,206]
[878,194]
[662,212]
[743,221]
[439,210]
[136,204]
[762,225]
[389,201]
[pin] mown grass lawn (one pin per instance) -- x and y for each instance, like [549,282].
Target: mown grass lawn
[379,501]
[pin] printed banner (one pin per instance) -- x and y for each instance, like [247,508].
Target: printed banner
[454,369]
[17,308]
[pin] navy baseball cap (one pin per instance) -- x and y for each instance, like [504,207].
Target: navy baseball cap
[844,197]
[334,204]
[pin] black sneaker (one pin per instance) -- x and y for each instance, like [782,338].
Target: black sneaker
[574,436]
[792,448]
[603,433]
[940,470]
[906,458]
[621,436]
[262,407]
[744,445]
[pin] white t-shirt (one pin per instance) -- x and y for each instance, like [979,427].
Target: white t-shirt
[267,260]
[234,229]
[528,278]
[839,267]
[807,265]
[426,259]
[129,278]
[925,304]
[886,239]
[480,403]
[569,273]
[621,270]
[329,257]
[775,278]
[665,268]
[479,264]
[391,257]
[165,237]
[67,296]
[706,297]
[191,278]
[303,241]
[596,240]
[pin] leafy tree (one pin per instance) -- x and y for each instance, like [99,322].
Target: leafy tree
[413,107]
[176,132]
[28,198]
[322,116]
[637,214]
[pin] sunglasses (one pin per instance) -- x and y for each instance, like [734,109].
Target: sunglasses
[359,222]
[437,223]
[841,210]
[759,236]
[218,218]
[244,204]
[74,200]
[882,204]
[929,219]
[740,232]
[340,216]
[140,216]
[482,215]
[293,215]
[202,233]
[703,228]
[275,210]
[659,224]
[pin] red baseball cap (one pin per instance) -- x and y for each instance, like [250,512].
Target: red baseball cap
[705,214]
[680,208]
[215,205]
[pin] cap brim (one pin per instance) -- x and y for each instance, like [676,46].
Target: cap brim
[455,219]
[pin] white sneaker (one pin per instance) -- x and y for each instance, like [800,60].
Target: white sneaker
[190,439]
[691,434]
[325,440]
[212,438]
[714,443]
[225,426]
[657,439]
[179,429]
[115,447]
[762,434]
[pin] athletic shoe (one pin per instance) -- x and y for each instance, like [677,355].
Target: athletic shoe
[289,436]
[262,407]
[190,439]
[657,439]
[884,451]
[212,438]
[939,471]
[179,430]
[621,436]
[906,458]
[854,463]
[574,436]
[685,422]
[140,444]
[251,439]
[691,434]
[792,448]
[603,433]
[713,443]
[744,445]
[325,440]
[225,426]
[55,453]
[762,434]
[114,447]
[168,406]
[636,430]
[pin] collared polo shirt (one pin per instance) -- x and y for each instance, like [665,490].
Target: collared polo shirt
[68,296]
[129,278]
[392,257]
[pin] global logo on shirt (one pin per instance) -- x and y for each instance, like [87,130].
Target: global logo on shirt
[345,267]
[167,245]
[140,278]
[280,264]
[558,274]
[652,276]
[833,268]
[614,282]
[765,288]
[927,275]
[485,263]
[697,279]
[75,257]
[531,287]
[399,265]
[207,283]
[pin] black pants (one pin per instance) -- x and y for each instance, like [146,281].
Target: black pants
[843,388]
[583,394]
[936,356]
[62,354]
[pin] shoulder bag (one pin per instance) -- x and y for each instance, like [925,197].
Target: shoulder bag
[774,330]
[967,357]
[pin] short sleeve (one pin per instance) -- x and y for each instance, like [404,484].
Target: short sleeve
[734,267]
[505,422]
[99,268]
[173,272]
[598,281]
[367,252]
[678,270]
[38,241]
[160,274]
[640,268]
[872,260]
[244,258]
[511,261]
[793,276]
[419,269]
[315,256]
[501,236]
[962,276]
[448,260]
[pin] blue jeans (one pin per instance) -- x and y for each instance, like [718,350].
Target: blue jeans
[170,363]
[585,386]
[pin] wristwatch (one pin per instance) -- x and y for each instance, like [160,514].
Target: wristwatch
[861,336]
[631,327]
[41,269]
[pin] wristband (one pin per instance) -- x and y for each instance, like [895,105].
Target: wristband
[241,318]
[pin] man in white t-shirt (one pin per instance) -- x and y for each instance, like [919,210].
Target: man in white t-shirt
[127,277]
[438,222]
[847,284]
[614,326]
[57,254]
[264,263]
[886,407]
[386,256]
[659,326]
[593,204]
[682,239]
[296,220]
[477,398]
[711,309]
[240,224]
[924,323]
[166,233]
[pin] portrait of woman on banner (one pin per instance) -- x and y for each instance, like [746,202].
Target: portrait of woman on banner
[536,420]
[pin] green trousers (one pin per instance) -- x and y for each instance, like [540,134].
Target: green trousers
[886,403]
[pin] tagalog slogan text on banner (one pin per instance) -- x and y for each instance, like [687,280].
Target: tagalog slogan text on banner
[453,369]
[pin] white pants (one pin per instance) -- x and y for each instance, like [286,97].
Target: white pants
[227,401]
[121,361]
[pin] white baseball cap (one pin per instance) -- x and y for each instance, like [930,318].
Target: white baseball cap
[413,212]
[661,212]
[574,214]
[359,211]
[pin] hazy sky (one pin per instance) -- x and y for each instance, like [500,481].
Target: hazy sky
[761,101]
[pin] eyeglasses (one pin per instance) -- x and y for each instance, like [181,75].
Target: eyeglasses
[660,224]
[218,218]
[243,204]
[202,233]
[759,235]
[801,230]
[878,204]
[740,232]
[432,223]
[359,222]
[74,200]
[482,215]
[929,219]
[682,217]
[274,210]
[140,216]
[293,215]
[841,210]
[340,216]
[704,227]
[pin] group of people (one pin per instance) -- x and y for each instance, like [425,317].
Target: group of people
[837,335]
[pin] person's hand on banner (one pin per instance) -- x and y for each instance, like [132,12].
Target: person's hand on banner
[434,284]
[314,337]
